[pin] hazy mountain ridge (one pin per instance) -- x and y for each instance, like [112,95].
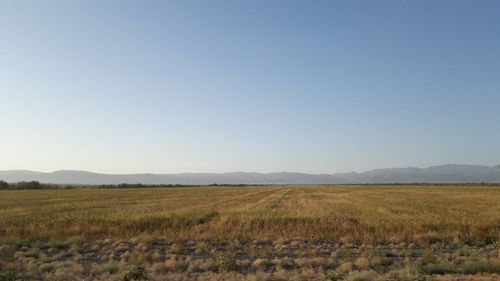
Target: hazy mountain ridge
[435,174]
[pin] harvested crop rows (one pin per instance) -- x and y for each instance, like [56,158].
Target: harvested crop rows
[264,232]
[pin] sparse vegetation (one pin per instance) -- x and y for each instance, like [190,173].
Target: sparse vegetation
[271,233]
[137,273]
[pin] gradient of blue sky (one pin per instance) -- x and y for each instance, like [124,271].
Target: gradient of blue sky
[213,86]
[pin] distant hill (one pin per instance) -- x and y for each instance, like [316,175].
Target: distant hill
[451,173]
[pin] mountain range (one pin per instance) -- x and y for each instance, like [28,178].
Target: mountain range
[450,173]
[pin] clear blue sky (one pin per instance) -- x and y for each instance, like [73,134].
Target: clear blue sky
[215,86]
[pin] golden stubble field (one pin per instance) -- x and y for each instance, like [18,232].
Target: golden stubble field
[235,233]
[357,214]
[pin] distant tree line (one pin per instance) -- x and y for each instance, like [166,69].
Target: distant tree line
[30,185]
[37,185]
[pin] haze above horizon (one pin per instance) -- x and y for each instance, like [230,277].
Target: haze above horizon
[261,86]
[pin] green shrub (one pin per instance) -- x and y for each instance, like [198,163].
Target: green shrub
[58,244]
[474,267]
[332,275]
[9,275]
[111,268]
[223,263]
[361,275]
[138,273]
[439,268]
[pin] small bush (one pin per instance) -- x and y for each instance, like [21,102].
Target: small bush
[223,263]
[177,248]
[363,263]
[58,244]
[310,262]
[333,275]
[400,275]
[139,258]
[260,263]
[431,238]
[439,268]
[346,267]
[474,267]
[175,265]
[494,265]
[111,268]
[138,273]
[201,248]
[361,276]
[9,275]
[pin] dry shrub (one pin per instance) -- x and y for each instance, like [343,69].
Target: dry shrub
[280,275]
[111,268]
[173,264]
[177,248]
[157,255]
[260,263]
[223,263]
[432,237]
[140,258]
[346,267]
[362,263]
[201,248]
[158,267]
[494,265]
[310,262]
[361,276]
[206,265]
[142,246]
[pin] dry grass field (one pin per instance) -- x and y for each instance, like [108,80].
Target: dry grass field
[252,233]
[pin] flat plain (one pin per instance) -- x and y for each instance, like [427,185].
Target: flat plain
[309,232]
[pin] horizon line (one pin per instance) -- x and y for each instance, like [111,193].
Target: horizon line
[246,172]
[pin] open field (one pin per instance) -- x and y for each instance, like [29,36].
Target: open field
[263,233]
[353,214]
